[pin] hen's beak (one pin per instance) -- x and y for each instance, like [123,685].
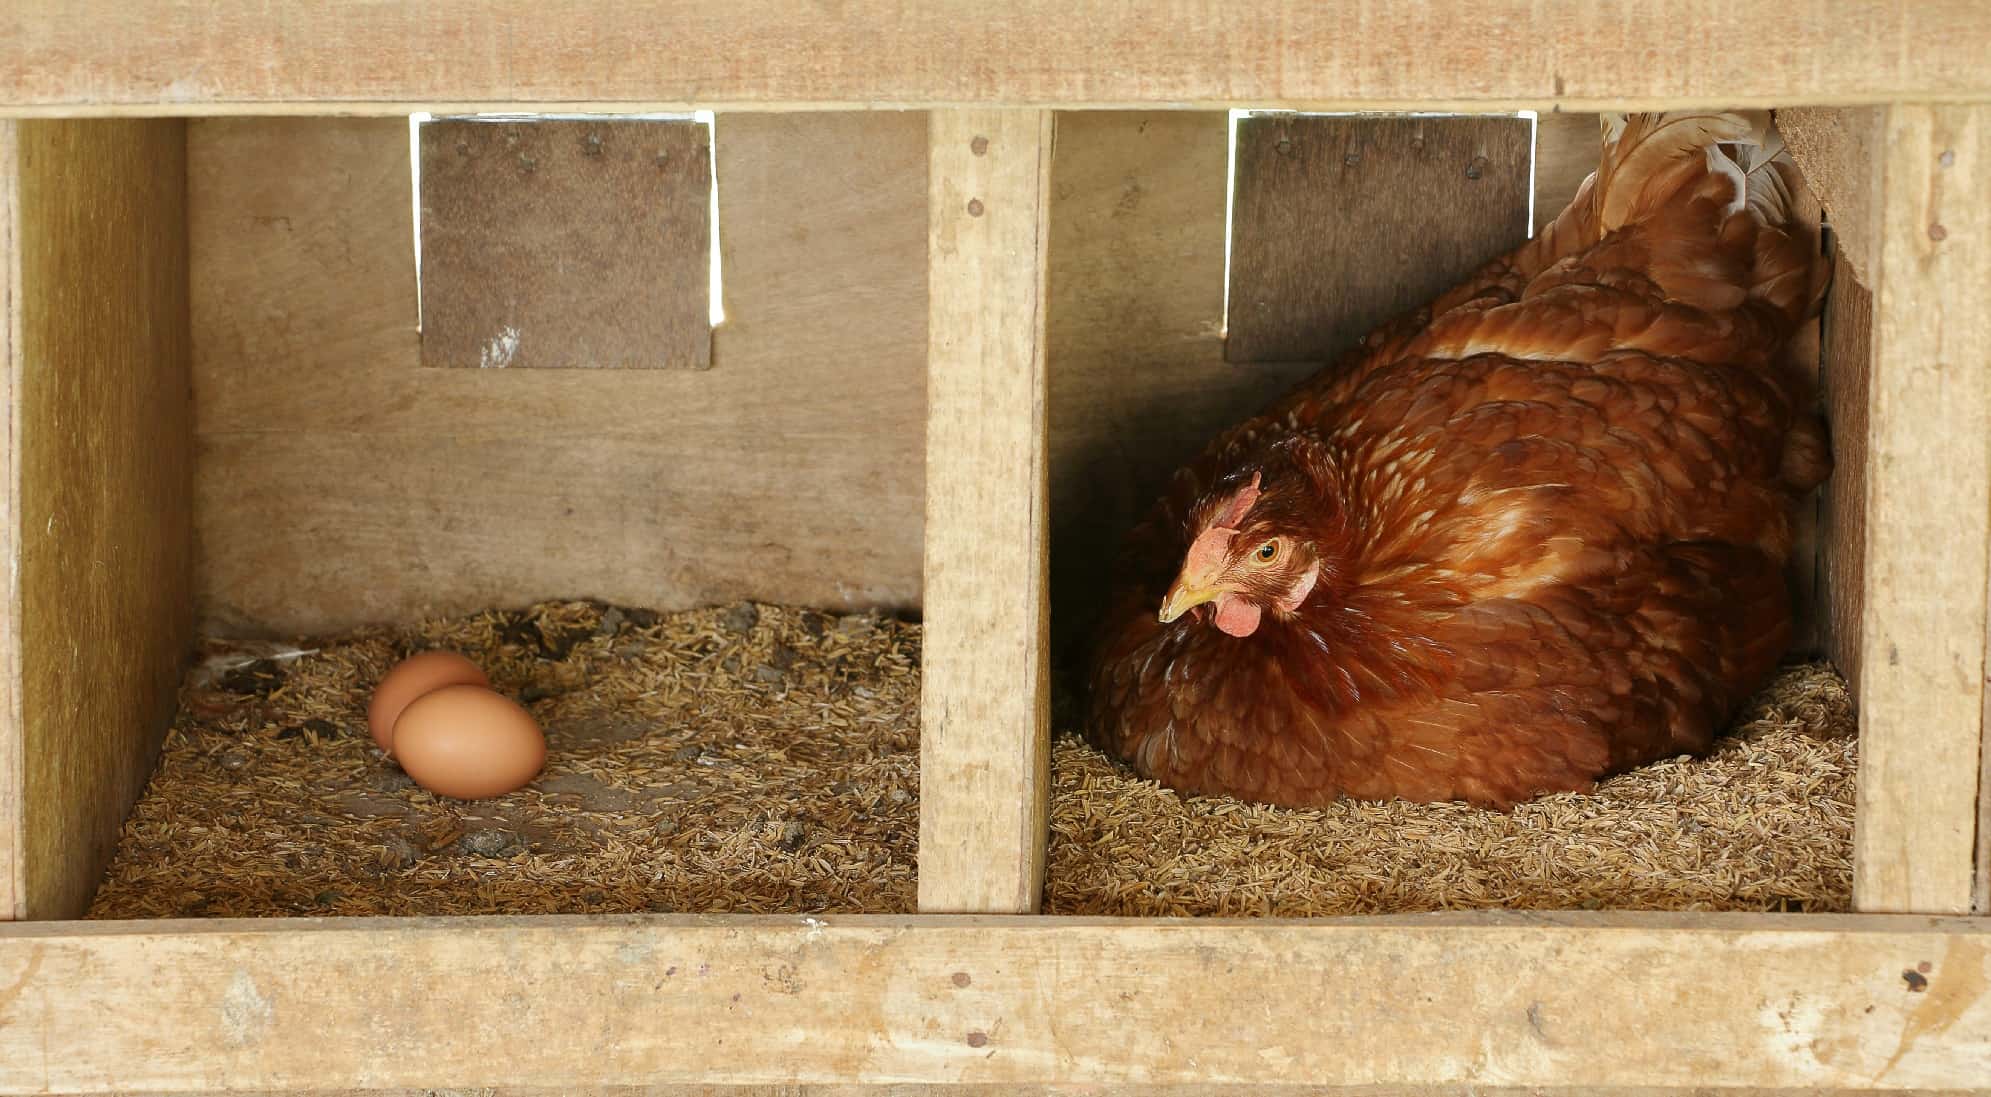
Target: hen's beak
[1183,597]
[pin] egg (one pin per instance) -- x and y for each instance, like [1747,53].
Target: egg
[411,678]
[467,742]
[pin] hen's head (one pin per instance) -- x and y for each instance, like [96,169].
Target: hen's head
[1259,539]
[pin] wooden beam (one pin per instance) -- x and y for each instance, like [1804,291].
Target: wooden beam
[1485,999]
[78,57]
[13,747]
[1837,152]
[97,539]
[1845,381]
[1928,516]
[985,708]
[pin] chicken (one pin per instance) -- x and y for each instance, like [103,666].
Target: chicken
[1526,537]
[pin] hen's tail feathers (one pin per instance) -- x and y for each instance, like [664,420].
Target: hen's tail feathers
[1647,158]
[1670,170]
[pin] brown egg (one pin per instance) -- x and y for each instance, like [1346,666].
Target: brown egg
[411,678]
[468,742]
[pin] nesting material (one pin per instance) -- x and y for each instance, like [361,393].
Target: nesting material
[750,759]
[764,759]
[1763,823]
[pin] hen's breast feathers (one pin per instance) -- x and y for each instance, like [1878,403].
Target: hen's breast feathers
[1569,500]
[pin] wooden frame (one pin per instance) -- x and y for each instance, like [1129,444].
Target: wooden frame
[1868,1001]
[79,57]
[580,1003]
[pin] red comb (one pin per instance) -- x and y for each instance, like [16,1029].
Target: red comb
[1240,504]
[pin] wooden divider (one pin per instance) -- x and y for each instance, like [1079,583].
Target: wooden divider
[96,471]
[1928,513]
[985,709]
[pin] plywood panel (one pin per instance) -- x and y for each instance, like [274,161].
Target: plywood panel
[1928,516]
[250,56]
[341,484]
[1567,148]
[1138,379]
[99,469]
[572,1003]
[562,243]
[985,749]
[1343,223]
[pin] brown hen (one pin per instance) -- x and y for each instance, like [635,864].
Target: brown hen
[1528,536]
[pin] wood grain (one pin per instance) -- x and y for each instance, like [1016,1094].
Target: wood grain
[561,243]
[1054,1089]
[1515,1000]
[1838,151]
[1845,386]
[985,751]
[1342,223]
[13,745]
[1567,148]
[253,57]
[100,470]
[1928,500]
[342,484]
[1138,379]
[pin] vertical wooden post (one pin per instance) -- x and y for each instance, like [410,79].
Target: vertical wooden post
[985,708]
[1928,516]
[13,751]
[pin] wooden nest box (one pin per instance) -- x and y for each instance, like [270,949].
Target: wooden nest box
[972,264]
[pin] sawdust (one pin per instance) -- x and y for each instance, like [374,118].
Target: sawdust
[762,759]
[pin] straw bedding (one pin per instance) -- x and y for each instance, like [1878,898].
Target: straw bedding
[765,758]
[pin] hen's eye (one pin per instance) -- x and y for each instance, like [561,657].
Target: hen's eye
[1267,552]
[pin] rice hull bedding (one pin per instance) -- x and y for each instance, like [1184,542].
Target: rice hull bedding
[743,759]
[757,758]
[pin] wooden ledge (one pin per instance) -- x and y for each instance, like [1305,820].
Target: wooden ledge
[1495,999]
[250,56]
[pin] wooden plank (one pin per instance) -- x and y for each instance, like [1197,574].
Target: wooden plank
[102,459]
[914,1089]
[342,484]
[1928,500]
[1835,151]
[565,243]
[249,56]
[1845,383]
[985,749]
[1567,148]
[1838,152]
[13,747]
[1138,381]
[1492,999]
[1342,223]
